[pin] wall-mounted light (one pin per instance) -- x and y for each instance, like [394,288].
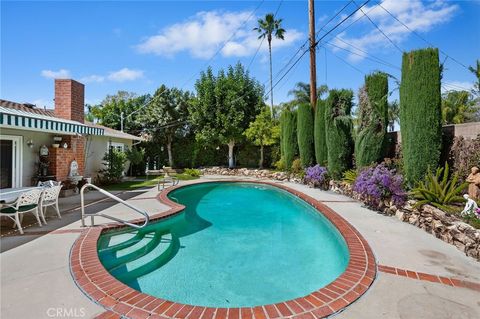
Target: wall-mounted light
[30,143]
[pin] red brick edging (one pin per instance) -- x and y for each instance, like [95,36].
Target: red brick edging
[103,288]
[429,277]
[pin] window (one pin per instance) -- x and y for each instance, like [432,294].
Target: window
[117,146]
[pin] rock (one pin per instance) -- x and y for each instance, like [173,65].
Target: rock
[400,214]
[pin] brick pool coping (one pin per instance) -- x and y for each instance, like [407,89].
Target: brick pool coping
[100,286]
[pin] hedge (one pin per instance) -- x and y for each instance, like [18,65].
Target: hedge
[373,120]
[320,139]
[289,136]
[420,113]
[305,134]
[338,126]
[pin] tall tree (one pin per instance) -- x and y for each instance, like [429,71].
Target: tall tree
[289,136]
[393,114]
[305,134]
[225,106]
[373,119]
[263,132]
[420,113]
[269,28]
[108,111]
[458,107]
[338,125]
[166,113]
[301,92]
[319,134]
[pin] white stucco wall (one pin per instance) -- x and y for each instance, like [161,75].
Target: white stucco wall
[30,155]
[96,148]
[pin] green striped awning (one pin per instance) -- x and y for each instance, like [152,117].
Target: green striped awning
[17,118]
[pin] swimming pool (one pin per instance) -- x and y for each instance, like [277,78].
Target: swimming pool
[235,245]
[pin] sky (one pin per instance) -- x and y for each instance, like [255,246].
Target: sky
[138,46]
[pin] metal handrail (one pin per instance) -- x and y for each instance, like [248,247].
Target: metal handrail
[121,201]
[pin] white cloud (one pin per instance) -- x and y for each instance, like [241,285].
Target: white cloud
[125,74]
[92,78]
[204,33]
[456,86]
[418,16]
[60,74]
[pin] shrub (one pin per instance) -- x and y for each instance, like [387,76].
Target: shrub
[350,176]
[373,117]
[438,190]
[420,112]
[378,183]
[317,176]
[297,167]
[280,165]
[305,134]
[192,172]
[114,161]
[289,138]
[338,126]
[319,134]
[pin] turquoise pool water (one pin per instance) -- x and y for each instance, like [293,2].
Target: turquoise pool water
[235,245]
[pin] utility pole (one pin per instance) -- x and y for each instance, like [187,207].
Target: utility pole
[313,64]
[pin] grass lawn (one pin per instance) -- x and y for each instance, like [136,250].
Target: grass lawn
[142,183]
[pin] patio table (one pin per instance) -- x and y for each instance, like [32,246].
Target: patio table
[8,195]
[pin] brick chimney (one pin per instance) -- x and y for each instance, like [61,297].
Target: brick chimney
[69,99]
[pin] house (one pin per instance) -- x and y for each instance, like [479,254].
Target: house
[61,135]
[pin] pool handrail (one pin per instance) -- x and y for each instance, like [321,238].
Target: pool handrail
[121,201]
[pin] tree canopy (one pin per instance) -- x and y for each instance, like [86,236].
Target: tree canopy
[225,106]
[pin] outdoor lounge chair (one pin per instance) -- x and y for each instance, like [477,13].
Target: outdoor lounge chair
[26,202]
[50,198]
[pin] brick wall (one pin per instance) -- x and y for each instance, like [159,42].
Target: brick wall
[61,158]
[69,99]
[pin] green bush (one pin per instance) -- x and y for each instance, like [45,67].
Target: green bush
[350,176]
[338,126]
[420,112]
[289,138]
[373,120]
[320,139]
[438,190]
[280,165]
[305,134]
[297,167]
[114,162]
[192,172]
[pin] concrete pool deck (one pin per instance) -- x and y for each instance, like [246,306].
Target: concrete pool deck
[36,280]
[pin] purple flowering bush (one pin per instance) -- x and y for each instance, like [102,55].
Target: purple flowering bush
[378,183]
[317,176]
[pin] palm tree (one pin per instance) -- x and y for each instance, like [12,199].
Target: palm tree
[267,28]
[458,107]
[301,92]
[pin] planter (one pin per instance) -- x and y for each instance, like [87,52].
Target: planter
[67,192]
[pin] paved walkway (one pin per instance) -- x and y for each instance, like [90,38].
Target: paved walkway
[419,277]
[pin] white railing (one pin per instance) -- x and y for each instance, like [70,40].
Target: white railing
[121,201]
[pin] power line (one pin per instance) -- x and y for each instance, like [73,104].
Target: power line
[302,47]
[321,38]
[347,63]
[422,38]
[378,28]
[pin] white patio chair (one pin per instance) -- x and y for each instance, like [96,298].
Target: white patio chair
[50,198]
[25,203]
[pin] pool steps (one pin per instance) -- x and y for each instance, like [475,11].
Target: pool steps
[138,255]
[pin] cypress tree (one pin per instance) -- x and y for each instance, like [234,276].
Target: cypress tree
[373,120]
[305,134]
[282,148]
[320,134]
[420,113]
[338,126]
[289,141]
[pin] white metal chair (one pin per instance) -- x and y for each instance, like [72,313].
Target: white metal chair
[25,203]
[50,198]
